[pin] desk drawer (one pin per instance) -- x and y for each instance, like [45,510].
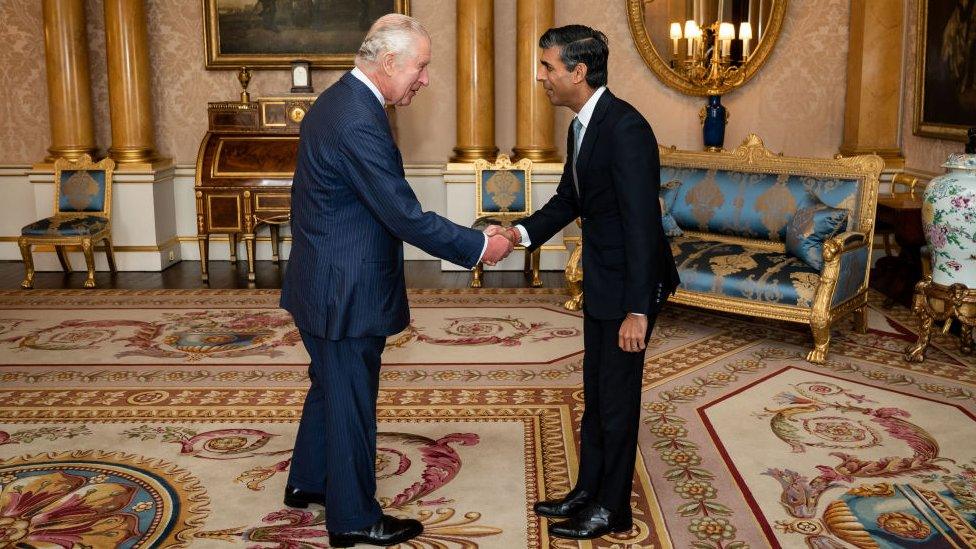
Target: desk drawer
[272,202]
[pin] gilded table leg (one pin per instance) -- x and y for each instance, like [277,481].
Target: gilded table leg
[476,275]
[966,339]
[574,279]
[232,239]
[63,258]
[110,254]
[86,247]
[275,255]
[249,247]
[204,243]
[25,252]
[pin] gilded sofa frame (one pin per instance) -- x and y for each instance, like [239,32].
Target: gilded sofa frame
[87,243]
[753,157]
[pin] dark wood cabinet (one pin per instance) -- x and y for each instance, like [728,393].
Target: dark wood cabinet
[244,172]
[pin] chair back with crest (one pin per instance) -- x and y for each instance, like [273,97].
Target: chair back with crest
[83,187]
[503,190]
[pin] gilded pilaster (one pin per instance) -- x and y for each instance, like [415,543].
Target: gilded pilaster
[475,81]
[534,112]
[874,78]
[68,80]
[130,99]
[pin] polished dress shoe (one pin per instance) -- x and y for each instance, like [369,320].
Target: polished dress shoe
[386,531]
[296,497]
[566,507]
[592,522]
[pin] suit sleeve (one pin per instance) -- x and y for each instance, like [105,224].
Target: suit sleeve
[636,174]
[374,174]
[560,211]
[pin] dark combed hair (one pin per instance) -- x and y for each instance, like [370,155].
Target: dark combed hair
[581,44]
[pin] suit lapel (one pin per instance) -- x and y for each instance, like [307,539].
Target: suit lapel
[378,111]
[592,130]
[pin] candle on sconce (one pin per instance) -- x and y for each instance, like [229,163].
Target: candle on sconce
[691,32]
[726,33]
[745,34]
[675,36]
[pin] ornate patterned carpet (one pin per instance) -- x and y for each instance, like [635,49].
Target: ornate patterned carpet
[166,418]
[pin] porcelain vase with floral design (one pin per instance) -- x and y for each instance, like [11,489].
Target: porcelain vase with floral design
[949,221]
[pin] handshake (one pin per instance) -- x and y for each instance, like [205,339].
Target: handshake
[501,242]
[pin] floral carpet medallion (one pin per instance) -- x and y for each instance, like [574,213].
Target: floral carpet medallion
[97,499]
[167,419]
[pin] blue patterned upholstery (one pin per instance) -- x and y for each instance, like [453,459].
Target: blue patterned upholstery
[852,268]
[752,205]
[737,271]
[82,191]
[667,196]
[810,227]
[503,191]
[66,226]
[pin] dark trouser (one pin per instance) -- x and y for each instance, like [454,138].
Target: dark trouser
[608,434]
[335,451]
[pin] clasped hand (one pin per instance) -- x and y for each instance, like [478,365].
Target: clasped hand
[501,242]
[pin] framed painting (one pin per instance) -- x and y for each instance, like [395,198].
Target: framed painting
[273,33]
[945,69]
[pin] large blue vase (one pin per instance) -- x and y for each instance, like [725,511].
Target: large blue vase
[714,117]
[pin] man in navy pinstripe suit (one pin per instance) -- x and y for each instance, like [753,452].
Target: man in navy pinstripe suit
[351,211]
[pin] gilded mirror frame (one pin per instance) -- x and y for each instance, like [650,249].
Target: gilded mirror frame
[654,61]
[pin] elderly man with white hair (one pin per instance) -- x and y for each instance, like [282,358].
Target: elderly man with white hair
[351,211]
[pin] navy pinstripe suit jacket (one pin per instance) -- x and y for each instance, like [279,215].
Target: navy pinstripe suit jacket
[351,210]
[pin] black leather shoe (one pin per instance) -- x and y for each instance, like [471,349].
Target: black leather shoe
[386,531]
[592,522]
[573,503]
[295,497]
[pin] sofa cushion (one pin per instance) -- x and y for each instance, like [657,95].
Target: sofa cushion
[743,272]
[810,227]
[752,205]
[669,193]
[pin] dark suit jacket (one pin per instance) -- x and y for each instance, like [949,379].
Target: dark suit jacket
[351,211]
[627,261]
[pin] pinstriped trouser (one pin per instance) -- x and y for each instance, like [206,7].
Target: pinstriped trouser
[335,451]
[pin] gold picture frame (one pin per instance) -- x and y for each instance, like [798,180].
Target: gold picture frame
[941,111]
[262,35]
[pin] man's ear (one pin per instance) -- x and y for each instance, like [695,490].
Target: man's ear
[389,62]
[579,73]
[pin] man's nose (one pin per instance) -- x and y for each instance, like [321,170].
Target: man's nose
[425,78]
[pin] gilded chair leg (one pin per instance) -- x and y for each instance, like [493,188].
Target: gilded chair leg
[86,247]
[476,275]
[821,341]
[25,251]
[274,243]
[861,319]
[110,255]
[249,248]
[63,258]
[534,260]
[232,239]
[574,279]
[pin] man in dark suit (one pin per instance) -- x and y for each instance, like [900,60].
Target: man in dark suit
[351,211]
[611,182]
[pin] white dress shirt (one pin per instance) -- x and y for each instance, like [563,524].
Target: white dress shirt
[361,76]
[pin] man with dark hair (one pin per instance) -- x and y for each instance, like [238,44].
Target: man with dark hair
[611,182]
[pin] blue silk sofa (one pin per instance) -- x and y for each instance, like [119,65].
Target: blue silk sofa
[743,250]
[761,234]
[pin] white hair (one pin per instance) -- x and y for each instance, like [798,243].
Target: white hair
[391,33]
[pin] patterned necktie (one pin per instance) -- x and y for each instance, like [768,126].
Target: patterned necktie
[577,127]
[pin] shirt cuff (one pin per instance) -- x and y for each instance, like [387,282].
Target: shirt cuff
[484,248]
[525,236]
[637,314]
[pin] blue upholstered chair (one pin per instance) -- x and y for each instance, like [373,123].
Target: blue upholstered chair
[82,216]
[503,194]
